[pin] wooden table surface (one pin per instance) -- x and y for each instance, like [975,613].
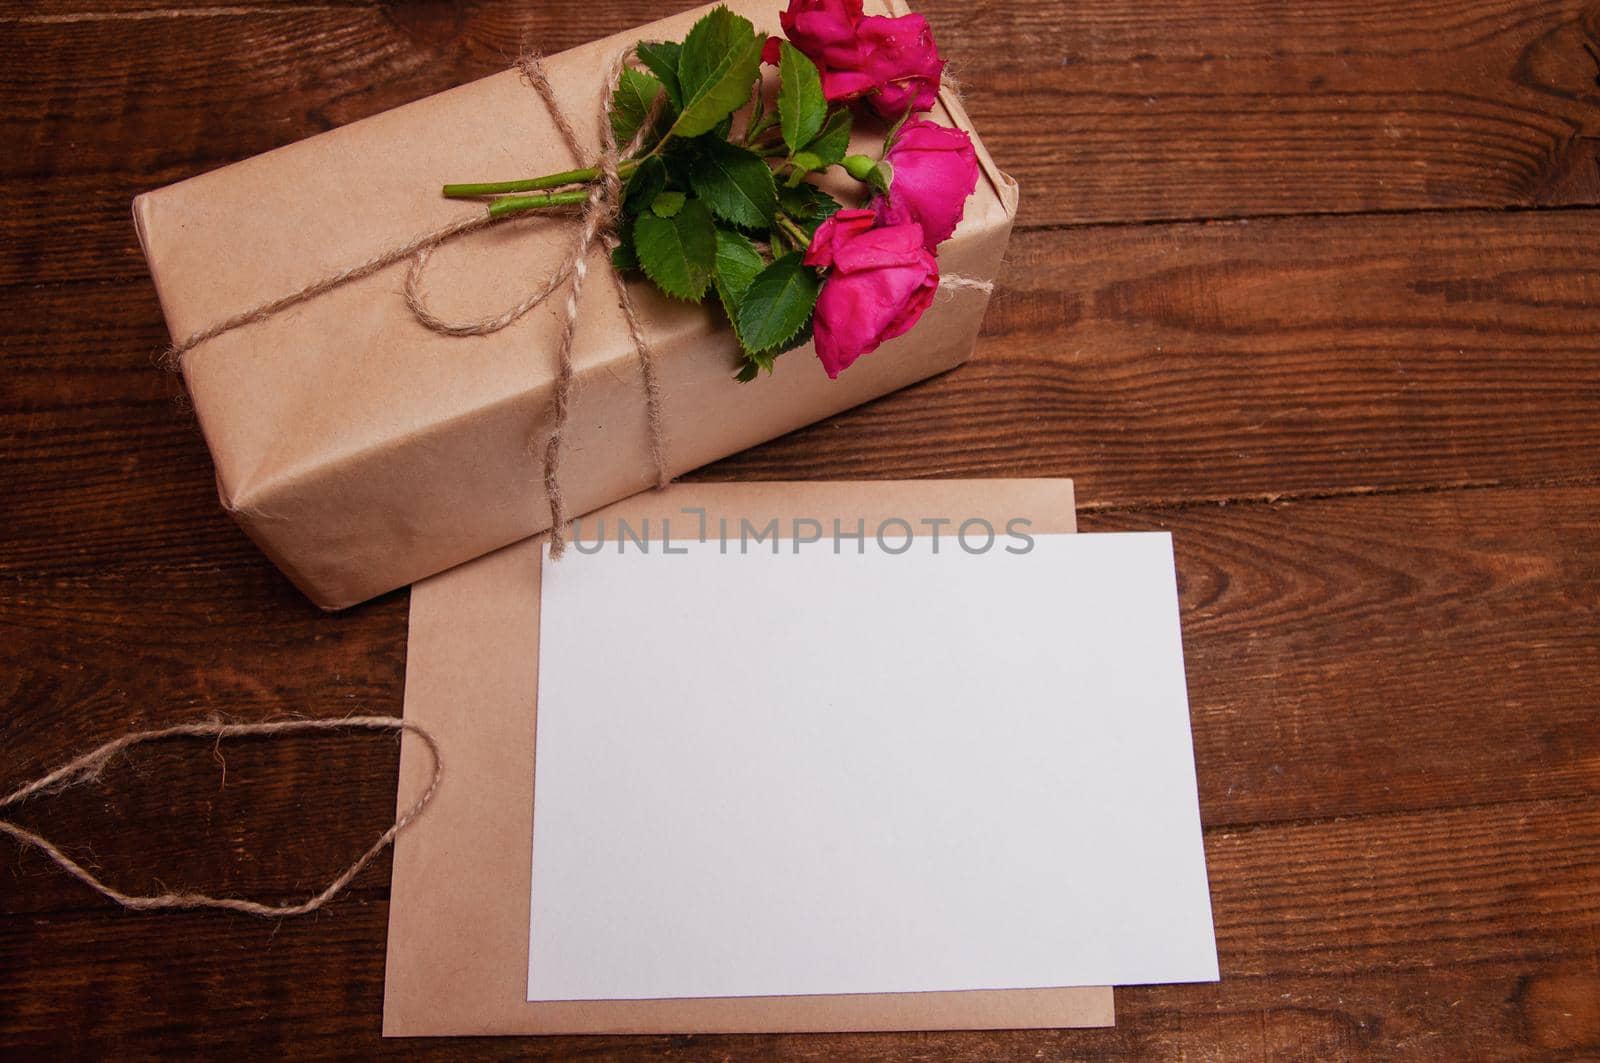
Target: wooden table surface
[1314,284]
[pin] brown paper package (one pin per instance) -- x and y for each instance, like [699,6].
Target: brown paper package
[362,451]
[459,899]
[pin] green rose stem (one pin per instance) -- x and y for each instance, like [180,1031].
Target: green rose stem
[534,184]
[517,204]
[793,232]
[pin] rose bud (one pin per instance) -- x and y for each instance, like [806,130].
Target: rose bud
[880,279]
[933,170]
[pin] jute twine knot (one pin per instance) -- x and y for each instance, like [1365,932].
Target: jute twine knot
[88,767]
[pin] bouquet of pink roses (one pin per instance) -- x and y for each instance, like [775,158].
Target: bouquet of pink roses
[707,208]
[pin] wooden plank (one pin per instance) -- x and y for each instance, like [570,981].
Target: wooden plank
[1362,657]
[139,95]
[1356,656]
[1426,937]
[1105,111]
[1153,363]
[49,12]
[1303,355]
[1346,657]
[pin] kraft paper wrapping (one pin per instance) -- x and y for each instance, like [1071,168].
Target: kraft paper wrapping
[459,900]
[362,451]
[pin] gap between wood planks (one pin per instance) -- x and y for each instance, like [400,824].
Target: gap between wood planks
[1314,215]
[1274,497]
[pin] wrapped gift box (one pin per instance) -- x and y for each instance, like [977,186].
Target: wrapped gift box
[363,451]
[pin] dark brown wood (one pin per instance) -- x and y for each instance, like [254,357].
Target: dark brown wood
[1260,359]
[1105,110]
[1430,599]
[1372,424]
[1434,935]
[1154,363]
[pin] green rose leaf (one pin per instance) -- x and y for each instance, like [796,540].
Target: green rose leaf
[631,101]
[680,252]
[738,263]
[735,183]
[662,59]
[624,259]
[712,39]
[646,183]
[797,201]
[805,162]
[797,340]
[754,362]
[720,60]
[667,204]
[826,208]
[777,305]
[809,206]
[623,256]
[801,104]
[830,145]
[677,163]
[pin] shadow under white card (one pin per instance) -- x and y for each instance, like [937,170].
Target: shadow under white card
[811,772]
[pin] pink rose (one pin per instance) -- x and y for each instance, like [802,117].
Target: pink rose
[934,169]
[891,62]
[825,30]
[902,62]
[880,280]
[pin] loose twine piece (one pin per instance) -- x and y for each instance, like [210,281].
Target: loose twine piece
[596,221]
[89,766]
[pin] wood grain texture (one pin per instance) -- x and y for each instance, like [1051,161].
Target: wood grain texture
[1372,424]
[1260,359]
[1106,111]
[1408,936]
[1347,657]
[1153,363]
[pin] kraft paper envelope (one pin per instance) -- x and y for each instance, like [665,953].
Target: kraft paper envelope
[459,903]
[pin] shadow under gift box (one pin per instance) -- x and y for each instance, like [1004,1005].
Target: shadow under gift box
[362,451]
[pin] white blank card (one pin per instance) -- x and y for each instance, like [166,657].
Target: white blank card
[815,772]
